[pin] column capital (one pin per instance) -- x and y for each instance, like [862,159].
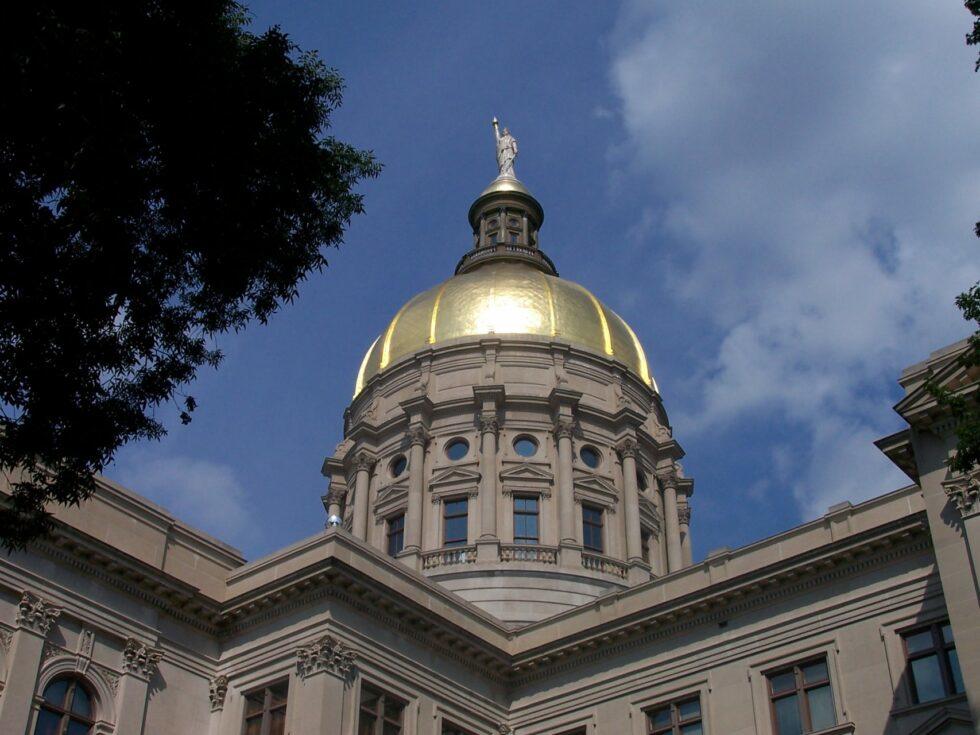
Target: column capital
[564,428]
[627,448]
[417,435]
[684,515]
[36,614]
[963,491]
[217,689]
[489,423]
[361,460]
[140,659]
[325,654]
[668,476]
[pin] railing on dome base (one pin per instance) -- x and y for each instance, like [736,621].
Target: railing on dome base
[604,564]
[449,557]
[529,552]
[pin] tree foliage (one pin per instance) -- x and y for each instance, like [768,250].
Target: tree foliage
[966,411]
[165,176]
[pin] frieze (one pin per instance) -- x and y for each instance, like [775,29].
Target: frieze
[326,654]
[140,659]
[217,690]
[36,614]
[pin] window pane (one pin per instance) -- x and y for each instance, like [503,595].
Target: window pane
[693,729]
[690,708]
[455,507]
[821,708]
[253,702]
[77,727]
[365,726]
[947,633]
[817,671]
[81,704]
[921,641]
[277,722]
[783,682]
[954,669]
[253,726]
[55,692]
[47,723]
[393,710]
[456,530]
[788,716]
[279,694]
[389,729]
[928,679]
[660,717]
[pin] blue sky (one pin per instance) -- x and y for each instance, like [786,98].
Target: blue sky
[778,197]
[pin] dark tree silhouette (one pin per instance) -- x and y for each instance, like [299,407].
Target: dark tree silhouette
[165,176]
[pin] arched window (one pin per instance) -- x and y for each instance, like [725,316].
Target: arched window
[67,708]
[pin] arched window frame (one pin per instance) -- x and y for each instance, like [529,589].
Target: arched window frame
[101,692]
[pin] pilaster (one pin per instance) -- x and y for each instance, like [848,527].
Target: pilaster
[489,400]
[361,463]
[35,616]
[324,670]
[139,665]
[564,404]
[668,480]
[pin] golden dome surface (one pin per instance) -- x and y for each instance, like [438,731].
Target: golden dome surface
[505,298]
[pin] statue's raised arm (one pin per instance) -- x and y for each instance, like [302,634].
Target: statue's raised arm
[506,151]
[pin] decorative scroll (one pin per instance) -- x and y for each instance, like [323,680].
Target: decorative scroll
[325,654]
[140,659]
[36,614]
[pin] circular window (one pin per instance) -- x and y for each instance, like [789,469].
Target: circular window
[525,446]
[398,465]
[457,449]
[590,456]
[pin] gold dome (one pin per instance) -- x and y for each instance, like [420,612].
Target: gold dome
[503,298]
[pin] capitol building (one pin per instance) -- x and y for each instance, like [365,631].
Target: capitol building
[506,549]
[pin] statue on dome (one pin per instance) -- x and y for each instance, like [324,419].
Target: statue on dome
[506,151]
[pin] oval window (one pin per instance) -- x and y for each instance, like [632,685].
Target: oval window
[590,456]
[457,449]
[525,446]
[398,465]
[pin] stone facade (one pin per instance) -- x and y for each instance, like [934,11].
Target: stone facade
[587,619]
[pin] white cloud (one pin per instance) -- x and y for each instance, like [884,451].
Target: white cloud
[204,494]
[822,174]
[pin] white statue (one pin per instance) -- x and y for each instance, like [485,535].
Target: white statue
[506,151]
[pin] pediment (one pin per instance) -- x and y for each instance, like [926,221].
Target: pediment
[451,476]
[390,498]
[597,490]
[649,515]
[525,472]
[946,720]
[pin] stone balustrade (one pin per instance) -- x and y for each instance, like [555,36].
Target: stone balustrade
[529,552]
[449,557]
[604,564]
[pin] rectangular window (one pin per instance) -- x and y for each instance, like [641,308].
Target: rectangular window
[801,699]
[645,545]
[525,519]
[265,710]
[933,664]
[380,713]
[682,717]
[454,523]
[592,528]
[450,729]
[396,534]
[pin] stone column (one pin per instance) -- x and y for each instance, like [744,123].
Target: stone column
[488,399]
[684,522]
[362,463]
[335,499]
[34,619]
[324,670]
[675,558]
[139,665]
[564,403]
[639,567]
[418,437]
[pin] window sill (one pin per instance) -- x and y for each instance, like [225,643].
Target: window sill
[913,708]
[843,729]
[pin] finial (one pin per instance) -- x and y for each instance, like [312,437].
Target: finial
[506,151]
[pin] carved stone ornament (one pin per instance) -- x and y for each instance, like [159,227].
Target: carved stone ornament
[140,659]
[627,448]
[217,689]
[564,428]
[36,614]
[963,492]
[362,461]
[417,435]
[325,654]
[684,515]
[6,638]
[668,476]
[489,424]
